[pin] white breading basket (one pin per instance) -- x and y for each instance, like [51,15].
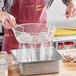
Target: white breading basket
[32,33]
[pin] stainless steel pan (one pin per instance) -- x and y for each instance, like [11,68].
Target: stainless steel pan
[52,65]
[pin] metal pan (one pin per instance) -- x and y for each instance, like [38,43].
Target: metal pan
[52,65]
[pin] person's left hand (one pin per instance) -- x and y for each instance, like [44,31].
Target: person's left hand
[71,9]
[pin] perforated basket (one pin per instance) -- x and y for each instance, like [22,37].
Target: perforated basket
[32,33]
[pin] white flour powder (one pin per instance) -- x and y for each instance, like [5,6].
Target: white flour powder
[43,37]
[26,38]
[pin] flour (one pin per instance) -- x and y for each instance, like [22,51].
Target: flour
[42,53]
[35,39]
[50,52]
[43,37]
[29,54]
[24,38]
[27,38]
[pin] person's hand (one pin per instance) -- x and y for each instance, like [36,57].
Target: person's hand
[71,9]
[8,21]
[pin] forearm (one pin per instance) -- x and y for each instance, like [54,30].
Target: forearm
[8,21]
[2,14]
[74,2]
[66,2]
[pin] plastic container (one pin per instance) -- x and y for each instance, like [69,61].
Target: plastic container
[60,46]
[68,45]
[4,62]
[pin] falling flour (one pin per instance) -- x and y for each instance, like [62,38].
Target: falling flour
[27,38]
[29,54]
[42,53]
[43,37]
[24,38]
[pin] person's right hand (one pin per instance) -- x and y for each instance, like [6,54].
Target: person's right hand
[71,9]
[8,21]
